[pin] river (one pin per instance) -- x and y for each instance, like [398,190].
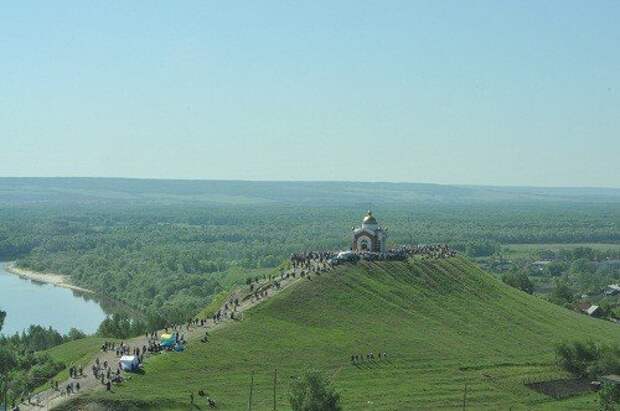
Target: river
[28,302]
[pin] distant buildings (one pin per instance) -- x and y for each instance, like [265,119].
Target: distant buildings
[612,289]
[590,309]
[611,379]
[594,311]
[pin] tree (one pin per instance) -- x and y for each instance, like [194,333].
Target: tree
[480,248]
[313,392]
[588,359]
[582,265]
[7,363]
[75,334]
[609,396]
[520,281]
[578,357]
[555,268]
[561,294]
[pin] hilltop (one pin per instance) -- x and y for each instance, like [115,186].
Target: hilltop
[445,324]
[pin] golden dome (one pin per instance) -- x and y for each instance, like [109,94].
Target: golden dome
[369,219]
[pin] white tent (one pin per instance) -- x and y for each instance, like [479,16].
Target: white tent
[129,362]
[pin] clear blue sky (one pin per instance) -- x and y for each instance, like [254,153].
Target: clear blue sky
[464,92]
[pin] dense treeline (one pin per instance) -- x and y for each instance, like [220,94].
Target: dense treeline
[170,260]
[120,325]
[23,364]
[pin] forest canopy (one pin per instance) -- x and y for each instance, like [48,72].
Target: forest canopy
[166,247]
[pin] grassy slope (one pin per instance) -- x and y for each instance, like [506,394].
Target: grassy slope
[445,324]
[78,352]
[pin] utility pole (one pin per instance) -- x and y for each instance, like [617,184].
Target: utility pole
[251,392]
[465,398]
[275,381]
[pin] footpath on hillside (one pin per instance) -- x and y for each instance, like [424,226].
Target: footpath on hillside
[239,301]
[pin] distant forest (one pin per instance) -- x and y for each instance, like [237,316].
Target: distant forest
[166,246]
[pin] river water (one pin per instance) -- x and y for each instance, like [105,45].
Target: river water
[28,302]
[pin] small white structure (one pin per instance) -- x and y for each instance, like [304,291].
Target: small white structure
[370,236]
[593,311]
[541,264]
[612,289]
[129,362]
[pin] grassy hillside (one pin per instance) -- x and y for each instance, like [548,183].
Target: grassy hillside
[77,352]
[444,324]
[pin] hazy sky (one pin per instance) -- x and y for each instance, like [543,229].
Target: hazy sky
[491,92]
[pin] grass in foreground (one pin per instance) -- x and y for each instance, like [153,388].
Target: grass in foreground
[444,324]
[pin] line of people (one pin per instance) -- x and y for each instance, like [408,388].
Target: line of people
[359,358]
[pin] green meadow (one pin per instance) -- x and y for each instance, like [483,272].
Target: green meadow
[447,327]
[521,250]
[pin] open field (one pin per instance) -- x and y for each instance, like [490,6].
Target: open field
[444,324]
[528,249]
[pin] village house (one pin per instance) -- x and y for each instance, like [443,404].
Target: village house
[594,311]
[612,289]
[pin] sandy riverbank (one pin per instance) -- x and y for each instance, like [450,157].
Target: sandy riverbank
[57,280]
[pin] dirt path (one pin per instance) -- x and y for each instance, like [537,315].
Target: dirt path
[48,399]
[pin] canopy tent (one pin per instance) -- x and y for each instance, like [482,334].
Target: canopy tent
[129,362]
[167,340]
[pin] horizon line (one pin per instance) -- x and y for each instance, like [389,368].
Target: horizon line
[198,179]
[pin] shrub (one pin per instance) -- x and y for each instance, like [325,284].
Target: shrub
[588,359]
[577,357]
[313,392]
[609,396]
[520,281]
[562,294]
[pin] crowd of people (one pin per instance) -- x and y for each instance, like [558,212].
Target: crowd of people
[359,358]
[123,348]
[310,259]
[103,372]
[434,251]
[71,387]
[317,261]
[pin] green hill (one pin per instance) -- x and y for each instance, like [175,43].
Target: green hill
[445,324]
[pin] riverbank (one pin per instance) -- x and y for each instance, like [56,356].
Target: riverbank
[57,280]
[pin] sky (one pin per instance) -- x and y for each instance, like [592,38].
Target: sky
[452,92]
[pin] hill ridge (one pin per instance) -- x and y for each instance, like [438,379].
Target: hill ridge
[443,323]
